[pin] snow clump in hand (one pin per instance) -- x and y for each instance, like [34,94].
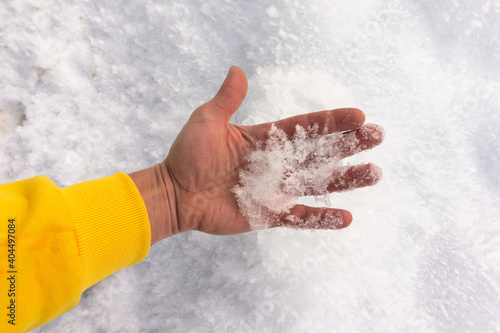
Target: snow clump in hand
[282,169]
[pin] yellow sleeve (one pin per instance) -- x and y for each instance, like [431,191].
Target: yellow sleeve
[55,243]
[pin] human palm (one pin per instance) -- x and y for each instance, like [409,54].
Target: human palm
[205,160]
[204,163]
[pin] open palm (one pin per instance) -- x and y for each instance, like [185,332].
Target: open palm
[204,161]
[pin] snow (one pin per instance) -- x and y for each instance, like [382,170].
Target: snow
[308,163]
[89,88]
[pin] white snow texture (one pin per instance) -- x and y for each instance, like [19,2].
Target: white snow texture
[92,87]
[283,168]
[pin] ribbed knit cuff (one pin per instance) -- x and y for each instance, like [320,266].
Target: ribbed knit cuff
[111,225]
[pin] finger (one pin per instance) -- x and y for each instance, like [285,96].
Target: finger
[364,138]
[330,121]
[305,217]
[231,94]
[352,177]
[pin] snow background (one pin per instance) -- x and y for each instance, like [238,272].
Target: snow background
[89,88]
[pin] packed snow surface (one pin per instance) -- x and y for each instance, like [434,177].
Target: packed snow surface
[89,88]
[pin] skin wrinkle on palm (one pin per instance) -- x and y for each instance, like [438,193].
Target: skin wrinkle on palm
[283,168]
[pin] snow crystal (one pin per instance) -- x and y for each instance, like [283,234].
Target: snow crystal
[282,169]
[316,221]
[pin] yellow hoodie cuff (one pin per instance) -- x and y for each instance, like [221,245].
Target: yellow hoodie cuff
[111,225]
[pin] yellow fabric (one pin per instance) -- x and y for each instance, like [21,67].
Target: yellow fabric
[65,241]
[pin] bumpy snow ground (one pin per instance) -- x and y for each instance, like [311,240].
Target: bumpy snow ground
[88,88]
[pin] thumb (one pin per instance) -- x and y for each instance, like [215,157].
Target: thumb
[231,94]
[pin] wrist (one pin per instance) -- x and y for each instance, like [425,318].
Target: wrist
[156,188]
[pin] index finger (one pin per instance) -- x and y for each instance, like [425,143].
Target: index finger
[329,121]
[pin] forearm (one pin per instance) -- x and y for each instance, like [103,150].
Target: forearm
[157,191]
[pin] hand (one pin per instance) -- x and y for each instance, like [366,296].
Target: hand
[192,188]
